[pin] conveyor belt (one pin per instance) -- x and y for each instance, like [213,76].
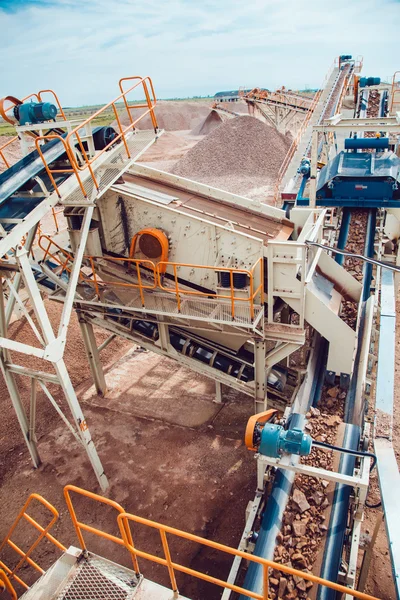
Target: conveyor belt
[28,167]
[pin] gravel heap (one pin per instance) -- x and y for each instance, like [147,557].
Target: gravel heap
[212,121]
[174,115]
[239,155]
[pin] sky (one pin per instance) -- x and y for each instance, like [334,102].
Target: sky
[80,48]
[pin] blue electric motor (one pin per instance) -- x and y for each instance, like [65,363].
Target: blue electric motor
[345,57]
[35,112]
[305,167]
[367,81]
[275,441]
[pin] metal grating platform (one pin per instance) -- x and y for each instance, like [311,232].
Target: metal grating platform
[203,309]
[109,167]
[79,576]
[94,579]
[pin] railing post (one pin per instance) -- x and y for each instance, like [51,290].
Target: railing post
[140,283]
[265,583]
[252,294]
[232,296]
[121,130]
[96,285]
[178,298]
[167,555]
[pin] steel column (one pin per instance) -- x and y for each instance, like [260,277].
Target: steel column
[260,397]
[93,355]
[13,388]
[80,423]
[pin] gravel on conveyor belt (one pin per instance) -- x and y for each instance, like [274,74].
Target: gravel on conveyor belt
[306,518]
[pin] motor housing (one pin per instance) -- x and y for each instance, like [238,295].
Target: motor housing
[367,81]
[35,112]
[275,441]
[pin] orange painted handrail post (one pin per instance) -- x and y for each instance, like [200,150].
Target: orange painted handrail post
[178,298]
[167,555]
[265,583]
[79,526]
[121,130]
[232,294]
[140,283]
[6,585]
[43,533]
[96,285]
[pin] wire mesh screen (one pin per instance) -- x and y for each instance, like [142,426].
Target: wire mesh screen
[97,580]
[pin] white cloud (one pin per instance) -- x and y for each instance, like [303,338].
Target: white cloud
[80,49]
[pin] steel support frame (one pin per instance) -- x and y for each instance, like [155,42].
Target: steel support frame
[93,355]
[359,481]
[52,350]
[12,387]
[260,399]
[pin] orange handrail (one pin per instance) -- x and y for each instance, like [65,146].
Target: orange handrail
[126,540]
[68,257]
[5,584]
[136,262]
[73,140]
[43,533]
[294,145]
[163,266]
[157,273]
[81,526]
[125,518]
[60,108]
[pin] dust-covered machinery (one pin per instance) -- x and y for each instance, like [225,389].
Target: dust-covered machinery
[355,177]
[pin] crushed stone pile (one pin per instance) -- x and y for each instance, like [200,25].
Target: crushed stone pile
[212,121]
[242,155]
[174,115]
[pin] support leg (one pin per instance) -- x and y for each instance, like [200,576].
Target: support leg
[218,392]
[260,400]
[18,279]
[32,411]
[164,335]
[13,388]
[93,355]
[80,423]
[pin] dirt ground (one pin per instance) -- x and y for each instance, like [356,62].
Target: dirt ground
[170,452]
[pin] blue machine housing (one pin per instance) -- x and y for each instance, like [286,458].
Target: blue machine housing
[275,440]
[35,112]
[367,81]
[363,179]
